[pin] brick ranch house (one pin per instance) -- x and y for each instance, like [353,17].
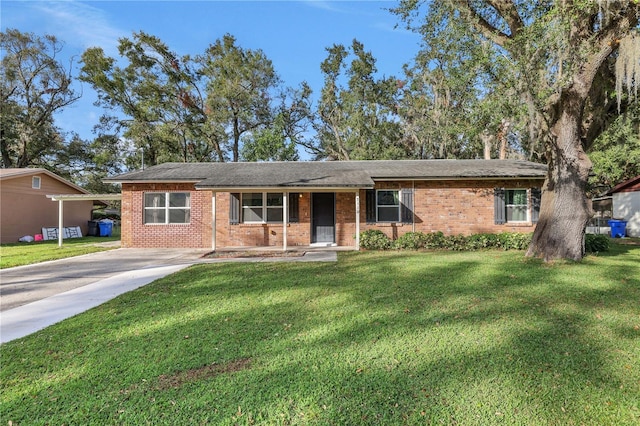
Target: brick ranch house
[233,205]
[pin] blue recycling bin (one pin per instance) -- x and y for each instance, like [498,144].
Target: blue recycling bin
[106,228]
[618,228]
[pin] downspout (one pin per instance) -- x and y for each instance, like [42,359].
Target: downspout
[213,221]
[413,210]
[358,219]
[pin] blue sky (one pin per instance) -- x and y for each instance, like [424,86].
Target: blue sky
[293,34]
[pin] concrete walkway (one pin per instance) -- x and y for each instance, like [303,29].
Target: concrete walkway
[37,296]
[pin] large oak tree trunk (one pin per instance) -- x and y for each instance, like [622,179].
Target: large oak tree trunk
[565,208]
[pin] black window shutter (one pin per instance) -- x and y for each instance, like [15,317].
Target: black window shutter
[406,205]
[234,208]
[536,194]
[293,207]
[371,205]
[499,206]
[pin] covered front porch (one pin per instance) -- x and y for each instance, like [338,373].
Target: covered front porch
[270,219]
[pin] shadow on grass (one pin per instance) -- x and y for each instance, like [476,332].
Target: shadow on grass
[378,338]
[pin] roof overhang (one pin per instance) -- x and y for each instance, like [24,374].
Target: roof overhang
[85,197]
[285,188]
[118,181]
[441,178]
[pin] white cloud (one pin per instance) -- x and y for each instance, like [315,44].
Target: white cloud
[327,5]
[80,24]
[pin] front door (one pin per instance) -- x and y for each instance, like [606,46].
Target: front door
[323,222]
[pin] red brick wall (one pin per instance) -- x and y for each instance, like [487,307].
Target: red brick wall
[453,207]
[261,234]
[196,234]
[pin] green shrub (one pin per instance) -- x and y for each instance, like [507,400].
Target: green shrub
[594,243]
[514,240]
[374,239]
[481,241]
[434,240]
[410,241]
[454,242]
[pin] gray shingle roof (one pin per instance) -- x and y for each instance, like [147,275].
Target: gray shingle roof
[330,174]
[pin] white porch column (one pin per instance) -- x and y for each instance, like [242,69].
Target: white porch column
[285,216]
[60,222]
[358,220]
[213,221]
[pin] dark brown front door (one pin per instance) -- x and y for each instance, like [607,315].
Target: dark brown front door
[323,222]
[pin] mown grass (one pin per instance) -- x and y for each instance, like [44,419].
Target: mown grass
[377,338]
[18,254]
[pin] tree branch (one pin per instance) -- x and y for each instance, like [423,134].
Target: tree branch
[507,9]
[481,24]
[605,44]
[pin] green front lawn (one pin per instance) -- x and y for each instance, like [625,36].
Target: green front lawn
[377,338]
[18,254]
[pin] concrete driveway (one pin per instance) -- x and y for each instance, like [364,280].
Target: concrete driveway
[36,296]
[26,284]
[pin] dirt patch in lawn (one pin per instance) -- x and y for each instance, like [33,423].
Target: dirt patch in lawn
[245,254]
[179,378]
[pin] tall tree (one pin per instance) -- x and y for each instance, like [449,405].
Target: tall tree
[563,55]
[357,110]
[159,97]
[240,86]
[616,153]
[289,129]
[34,85]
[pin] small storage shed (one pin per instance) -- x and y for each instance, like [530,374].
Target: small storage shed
[25,208]
[626,204]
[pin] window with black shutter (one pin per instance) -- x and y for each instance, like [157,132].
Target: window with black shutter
[499,206]
[407,205]
[293,207]
[234,208]
[536,194]
[371,206]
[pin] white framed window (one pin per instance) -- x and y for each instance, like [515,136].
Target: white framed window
[262,207]
[167,207]
[35,182]
[387,205]
[516,205]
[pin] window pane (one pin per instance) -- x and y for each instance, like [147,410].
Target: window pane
[516,205]
[252,214]
[516,213]
[274,215]
[179,199]
[154,216]
[388,214]
[517,196]
[179,215]
[274,199]
[252,199]
[154,199]
[388,198]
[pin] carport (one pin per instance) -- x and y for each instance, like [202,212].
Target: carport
[61,198]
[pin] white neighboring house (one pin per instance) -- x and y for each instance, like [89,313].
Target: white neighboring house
[626,204]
